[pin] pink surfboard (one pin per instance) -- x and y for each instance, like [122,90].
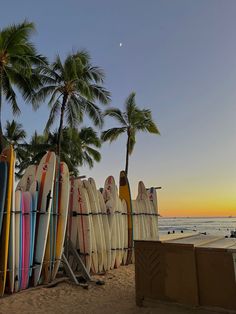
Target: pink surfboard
[25,239]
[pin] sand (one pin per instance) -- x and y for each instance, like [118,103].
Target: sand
[116,296]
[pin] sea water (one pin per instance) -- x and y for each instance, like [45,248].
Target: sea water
[211,225]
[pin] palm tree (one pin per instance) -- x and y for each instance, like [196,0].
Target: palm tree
[73,88]
[132,120]
[30,153]
[14,133]
[18,63]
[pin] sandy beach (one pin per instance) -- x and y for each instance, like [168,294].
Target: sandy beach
[116,296]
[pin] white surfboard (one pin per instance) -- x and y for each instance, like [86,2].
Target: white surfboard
[110,209]
[149,216]
[27,178]
[63,202]
[100,217]
[110,186]
[97,224]
[84,226]
[45,177]
[72,225]
[122,230]
[153,199]
[107,232]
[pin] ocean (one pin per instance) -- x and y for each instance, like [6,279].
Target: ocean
[211,225]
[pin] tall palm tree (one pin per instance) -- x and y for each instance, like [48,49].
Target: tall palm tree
[73,87]
[18,63]
[131,121]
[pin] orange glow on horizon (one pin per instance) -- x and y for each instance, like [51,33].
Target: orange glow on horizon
[198,208]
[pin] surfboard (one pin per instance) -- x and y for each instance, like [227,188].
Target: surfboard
[45,177]
[153,199]
[63,202]
[84,226]
[25,263]
[111,195]
[97,224]
[3,189]
[107,232]
[110,186]
[18,236]
[151,226]
[122,230]
[125,219]
[72,230]
[110,209]
[136,225]
[124,193]
[103,219]
[8,156]
[50,250]
[11,248]
[27,179]
[34,189]
[144,222]
[94,262]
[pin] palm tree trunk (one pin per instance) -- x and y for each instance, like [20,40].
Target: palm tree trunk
[63,107]
[127,154]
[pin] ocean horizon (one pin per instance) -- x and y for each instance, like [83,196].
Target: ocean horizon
[208,225]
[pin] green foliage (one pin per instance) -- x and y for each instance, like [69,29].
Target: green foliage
[14,133]
[78,148]
[131,121]
[19,63]
[72,89]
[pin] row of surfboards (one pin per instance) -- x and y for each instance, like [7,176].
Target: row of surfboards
[99,221]
[33,221]
[47,204]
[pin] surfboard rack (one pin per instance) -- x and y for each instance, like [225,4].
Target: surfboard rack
[81,271]
[155,187]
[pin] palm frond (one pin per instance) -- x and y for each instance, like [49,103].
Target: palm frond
[93,153]
[112,134]
[17,33]
[100,93]
[10,94]
[52,116]
[94,113]
[89,136]
[116,114]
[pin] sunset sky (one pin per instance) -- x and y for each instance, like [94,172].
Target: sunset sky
[180,58]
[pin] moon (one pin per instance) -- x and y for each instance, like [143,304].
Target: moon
[121,44]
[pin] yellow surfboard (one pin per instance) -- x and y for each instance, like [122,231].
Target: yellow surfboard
[8,156]
[124,193]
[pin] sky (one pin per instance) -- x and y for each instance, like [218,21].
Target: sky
[179,56]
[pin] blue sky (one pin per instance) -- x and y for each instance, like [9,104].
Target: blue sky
[180,58]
